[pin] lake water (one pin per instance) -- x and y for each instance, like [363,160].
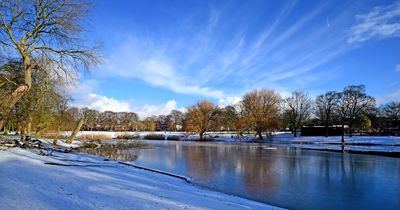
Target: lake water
[283,176]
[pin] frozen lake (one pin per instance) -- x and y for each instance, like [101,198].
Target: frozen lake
[280,175]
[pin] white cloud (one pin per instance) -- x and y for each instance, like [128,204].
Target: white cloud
[380,22]
[104,103]
[397,68]
[161,109]
[228,101]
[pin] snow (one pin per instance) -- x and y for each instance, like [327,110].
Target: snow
[26,182]
[376,140]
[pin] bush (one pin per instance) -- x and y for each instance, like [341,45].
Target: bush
[94,137]
[154,137]
[174,138]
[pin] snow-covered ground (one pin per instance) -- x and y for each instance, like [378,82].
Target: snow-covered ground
[89,182]
[377,140]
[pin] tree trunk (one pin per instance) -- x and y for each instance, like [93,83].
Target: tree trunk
[342,136]
[259,133]
[295,132]
[29,125]
[326,129]
[76,130]
[10,102]
[350,130]
[22,133]
[201,135]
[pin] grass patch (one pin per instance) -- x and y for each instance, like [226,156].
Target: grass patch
[127,136]
[53,136]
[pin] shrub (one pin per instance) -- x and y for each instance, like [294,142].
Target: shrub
[90,145]
[208,138]
[154,137]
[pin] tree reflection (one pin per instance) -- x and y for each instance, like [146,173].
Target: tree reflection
[201,160]
[259,174]
[246,164]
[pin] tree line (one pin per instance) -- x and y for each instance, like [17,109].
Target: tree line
[42,47]
[264,111]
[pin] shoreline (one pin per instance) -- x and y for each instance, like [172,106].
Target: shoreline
[92,183]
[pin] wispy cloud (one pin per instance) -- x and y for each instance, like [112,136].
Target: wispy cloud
[381,22]
[225,54]
[394,96]
[397,68]
[150,63]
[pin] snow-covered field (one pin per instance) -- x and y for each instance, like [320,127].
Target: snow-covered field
[89,182]
[386,144]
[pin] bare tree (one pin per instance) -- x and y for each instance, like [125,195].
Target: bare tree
[108,120]
[91,117]
[46,36]
[391,110]
[229,117]
[326,105]
[177,118]
[150,123]
[201,114]
[260,109]
[298,109]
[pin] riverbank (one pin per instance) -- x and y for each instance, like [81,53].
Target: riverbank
[81,181]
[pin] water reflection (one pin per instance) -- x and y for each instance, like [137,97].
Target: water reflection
[288,177]
[115,151]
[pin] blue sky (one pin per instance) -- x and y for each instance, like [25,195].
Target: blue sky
[163,55]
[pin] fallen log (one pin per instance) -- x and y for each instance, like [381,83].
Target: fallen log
[187,179]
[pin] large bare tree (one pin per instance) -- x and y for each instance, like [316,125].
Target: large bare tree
[260,109]
[353,103]
[46,35]
[298,109]
[391,110]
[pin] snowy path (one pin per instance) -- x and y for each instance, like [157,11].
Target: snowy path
[27,183]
